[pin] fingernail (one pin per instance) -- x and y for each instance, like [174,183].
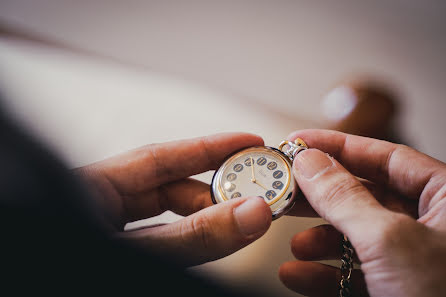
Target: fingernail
[253,216]
[312,163]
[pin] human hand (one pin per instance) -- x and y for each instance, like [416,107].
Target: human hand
[396,222]
[149,180]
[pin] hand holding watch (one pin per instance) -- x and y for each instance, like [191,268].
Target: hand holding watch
[277,187]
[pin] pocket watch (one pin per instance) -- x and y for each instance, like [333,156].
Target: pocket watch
[260,171]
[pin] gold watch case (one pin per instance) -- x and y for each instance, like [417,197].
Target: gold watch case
[264,161]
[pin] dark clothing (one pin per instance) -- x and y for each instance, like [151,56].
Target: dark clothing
[51,242]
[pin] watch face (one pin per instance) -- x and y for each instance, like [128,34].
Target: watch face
[256,171]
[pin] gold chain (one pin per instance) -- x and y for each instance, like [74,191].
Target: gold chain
[346,268]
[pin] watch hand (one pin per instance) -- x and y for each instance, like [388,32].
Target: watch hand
[253,177]
[257,183]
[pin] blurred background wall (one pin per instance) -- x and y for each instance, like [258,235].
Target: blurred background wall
[94,78]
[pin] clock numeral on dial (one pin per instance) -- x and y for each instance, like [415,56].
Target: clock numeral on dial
[238,167]
[231,176]
[277,185]
[248,162]
[236,195]
[272,165]
[270,194]
[277,174]
[261,161]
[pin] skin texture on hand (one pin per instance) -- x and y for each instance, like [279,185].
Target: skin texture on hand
[394,216]
[147,181]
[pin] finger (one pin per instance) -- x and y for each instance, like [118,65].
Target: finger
[340,198]
[156,164]
[392,200]
[316,279]
[389,199]
[398,166]
[209,234]
[318,243]
[183,197]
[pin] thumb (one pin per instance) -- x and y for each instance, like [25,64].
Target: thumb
[340,198]
[209,234]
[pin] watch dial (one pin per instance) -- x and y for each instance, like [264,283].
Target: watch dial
[256,173]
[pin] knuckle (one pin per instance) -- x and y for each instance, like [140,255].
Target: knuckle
[402,232]
[404,147]
[201,230]
[343,190]
[206,151]
[392,237]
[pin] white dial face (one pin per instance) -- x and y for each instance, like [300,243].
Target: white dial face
[255,173]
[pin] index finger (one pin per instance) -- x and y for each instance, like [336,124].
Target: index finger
[398,166]
[156,164]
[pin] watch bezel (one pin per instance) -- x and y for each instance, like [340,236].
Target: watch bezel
[282,204]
